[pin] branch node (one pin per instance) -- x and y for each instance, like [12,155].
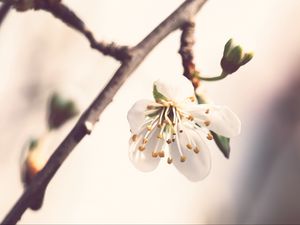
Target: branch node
[88,127]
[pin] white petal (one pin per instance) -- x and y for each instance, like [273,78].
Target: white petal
[143,160]
[176,89]
[136,114]
[221,119]
[197,166]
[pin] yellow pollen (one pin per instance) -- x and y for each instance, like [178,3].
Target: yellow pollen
[160,136]
[191,118]
[142,148]
[209,136]
[161,154]
[196,150]
[207,123]
[154,154]
[149,127]
[170,160]
[207,111]
[189,146]
[134,137]
[182,158]
[192,98]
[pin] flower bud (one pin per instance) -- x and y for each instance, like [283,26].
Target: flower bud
[33,163]
[234,57]
[60,110]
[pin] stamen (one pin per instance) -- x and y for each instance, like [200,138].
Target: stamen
[161,154]
[134,137]
[207,111]
[207,123]
[209,136]
[180,131]
[154,154]
[189,146]
[169,141]
[149,107]
[170,160]
[149,127]
[142,148]
[196,150]
[145,141]
[192,98]
[190,117]
[182,158]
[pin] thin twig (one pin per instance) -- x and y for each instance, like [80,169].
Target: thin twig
[187,42]
[83,127]
[66,15]
[5,7]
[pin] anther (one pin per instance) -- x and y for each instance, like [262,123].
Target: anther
[159,125]
[207,111]
[182,158]
[207,123]
[142,148]
[209,136]
[150,107]
[190,117]
[169,141]
[149,127]
[160,136]
[170,160]
[180,131]
[189,146]
[154,154]
[161,154]
[196,150]
[134,137]
[145,140]
[192,98]
[173,139]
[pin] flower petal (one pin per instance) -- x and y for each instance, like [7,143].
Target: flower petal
[136,114]
[219,119]
[143,160]
[197,165]
[177,89]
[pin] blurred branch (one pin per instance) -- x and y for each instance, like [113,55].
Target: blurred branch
[85,124]
[5,7]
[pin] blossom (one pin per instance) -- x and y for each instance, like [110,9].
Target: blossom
[175,127]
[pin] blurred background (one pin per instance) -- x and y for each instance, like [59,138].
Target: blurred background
[97,183]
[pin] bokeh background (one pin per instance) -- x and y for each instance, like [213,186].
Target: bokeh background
[97,183]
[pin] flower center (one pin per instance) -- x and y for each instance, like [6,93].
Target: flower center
[163,126]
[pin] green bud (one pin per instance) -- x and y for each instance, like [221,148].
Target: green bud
[60,110]
[234,57]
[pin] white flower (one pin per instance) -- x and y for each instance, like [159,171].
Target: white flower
[178,128]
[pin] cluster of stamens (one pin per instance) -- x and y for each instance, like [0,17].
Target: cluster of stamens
[162,120]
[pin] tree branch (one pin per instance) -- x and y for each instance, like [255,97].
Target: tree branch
[5,7]
[187,42]
[66,15]
[87,120]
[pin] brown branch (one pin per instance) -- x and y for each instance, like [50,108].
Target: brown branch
[5,7]
[187,42]
[66,15]
[87,120]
